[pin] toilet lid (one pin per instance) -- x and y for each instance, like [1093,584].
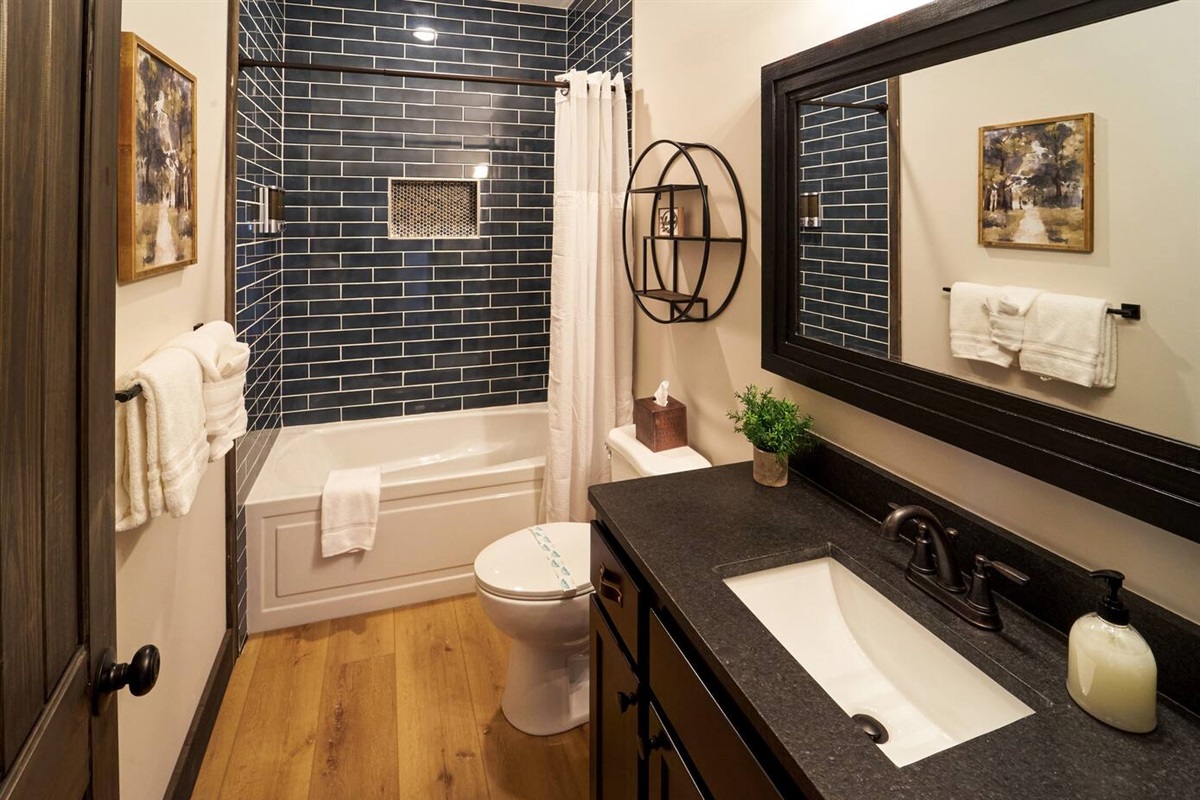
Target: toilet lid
[545,562]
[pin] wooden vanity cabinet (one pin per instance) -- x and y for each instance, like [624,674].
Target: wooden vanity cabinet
[658,731]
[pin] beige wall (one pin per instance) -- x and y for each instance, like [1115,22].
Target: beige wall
[171,572]
[1147,191]
[697,79]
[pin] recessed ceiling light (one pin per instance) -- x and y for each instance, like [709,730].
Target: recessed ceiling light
[425,34]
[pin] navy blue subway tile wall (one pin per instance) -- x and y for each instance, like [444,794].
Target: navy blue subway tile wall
[844,271]
[600,36]
[377,327]
[258,259]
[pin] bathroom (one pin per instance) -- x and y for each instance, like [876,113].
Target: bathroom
[696,72]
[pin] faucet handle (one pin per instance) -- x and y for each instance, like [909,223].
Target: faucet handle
[1014,575]
[980,595]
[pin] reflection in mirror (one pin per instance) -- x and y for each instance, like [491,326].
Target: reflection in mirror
[844,258]
[1137,76]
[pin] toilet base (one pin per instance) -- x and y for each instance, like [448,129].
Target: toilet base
[546,691]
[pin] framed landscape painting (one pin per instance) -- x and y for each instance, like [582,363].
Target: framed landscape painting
[1036,184]
[156,163]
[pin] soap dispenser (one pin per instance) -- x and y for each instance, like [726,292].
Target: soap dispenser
[1111,672]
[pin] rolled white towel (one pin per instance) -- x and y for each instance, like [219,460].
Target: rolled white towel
[225,413]
[349,510]
[1006,315]
[970,335]
[224,361]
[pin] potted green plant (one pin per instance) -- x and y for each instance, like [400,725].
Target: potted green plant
[776,428]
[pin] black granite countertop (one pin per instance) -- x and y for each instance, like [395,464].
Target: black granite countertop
[687,532]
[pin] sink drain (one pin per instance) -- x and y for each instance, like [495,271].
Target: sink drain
[871,727]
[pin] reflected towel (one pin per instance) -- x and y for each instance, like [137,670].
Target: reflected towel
[1006,315]
[1071,338]
[970,333]
[349,510]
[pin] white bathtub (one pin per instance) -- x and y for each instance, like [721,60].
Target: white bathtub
[452,483]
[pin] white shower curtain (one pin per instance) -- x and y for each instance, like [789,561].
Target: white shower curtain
[591,309]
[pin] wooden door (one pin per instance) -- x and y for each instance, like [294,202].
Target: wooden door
[57,253]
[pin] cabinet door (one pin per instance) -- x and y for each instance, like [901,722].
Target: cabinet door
[614,701]
[669,778]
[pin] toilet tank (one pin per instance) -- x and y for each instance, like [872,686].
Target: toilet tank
[632,459]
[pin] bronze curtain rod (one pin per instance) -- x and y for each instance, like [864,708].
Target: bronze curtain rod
[245,63]
[881,108]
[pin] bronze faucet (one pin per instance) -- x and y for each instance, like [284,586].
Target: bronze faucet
[936,573]
[929,532]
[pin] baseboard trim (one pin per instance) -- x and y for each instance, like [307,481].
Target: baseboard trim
[191,756]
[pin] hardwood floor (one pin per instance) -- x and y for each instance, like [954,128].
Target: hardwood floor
[396,704]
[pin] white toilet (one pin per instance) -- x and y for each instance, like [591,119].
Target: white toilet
[534,586]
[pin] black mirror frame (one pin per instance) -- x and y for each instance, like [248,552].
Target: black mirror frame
[1149,477]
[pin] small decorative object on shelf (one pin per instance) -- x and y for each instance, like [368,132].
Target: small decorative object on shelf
[677,286]
[776,429]
[670,222]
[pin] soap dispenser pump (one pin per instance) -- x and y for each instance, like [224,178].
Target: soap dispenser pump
[1111,672]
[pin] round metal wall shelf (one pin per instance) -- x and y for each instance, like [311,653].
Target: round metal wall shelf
[654,292]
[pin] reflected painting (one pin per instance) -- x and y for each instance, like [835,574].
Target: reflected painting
[157,152]
[1035,184]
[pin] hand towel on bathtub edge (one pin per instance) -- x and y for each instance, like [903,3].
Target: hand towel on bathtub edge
[349,510]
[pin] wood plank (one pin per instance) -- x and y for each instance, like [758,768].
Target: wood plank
[361,637]
[54,763]
[439,748]
[273,751]
[22,266]
[229,719]
[356,746]
[518,766]
[97,313]
[60,315]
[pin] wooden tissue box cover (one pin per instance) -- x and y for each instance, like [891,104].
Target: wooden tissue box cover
[660,427]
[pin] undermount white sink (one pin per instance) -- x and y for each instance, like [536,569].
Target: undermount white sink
[874,659]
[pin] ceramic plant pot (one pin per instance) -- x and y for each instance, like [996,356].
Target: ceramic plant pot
[768,469]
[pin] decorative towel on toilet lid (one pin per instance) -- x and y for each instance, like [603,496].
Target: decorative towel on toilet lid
[543,562]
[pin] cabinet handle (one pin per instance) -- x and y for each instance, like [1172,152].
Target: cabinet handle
[610,589]
[626,699]
[658,741]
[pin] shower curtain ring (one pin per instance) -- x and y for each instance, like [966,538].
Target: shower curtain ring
[564,90]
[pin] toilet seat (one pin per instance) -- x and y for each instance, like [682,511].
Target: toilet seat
[545,562]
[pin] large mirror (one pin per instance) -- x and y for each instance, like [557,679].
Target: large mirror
[1048,146]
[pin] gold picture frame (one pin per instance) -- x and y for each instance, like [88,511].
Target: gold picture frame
[1036,184]
[156,163]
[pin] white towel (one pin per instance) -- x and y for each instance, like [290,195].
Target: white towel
[349,510]
[165,450]
[970,334]
[1071,338]
[224,360]
[1006,315]
[131,498]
